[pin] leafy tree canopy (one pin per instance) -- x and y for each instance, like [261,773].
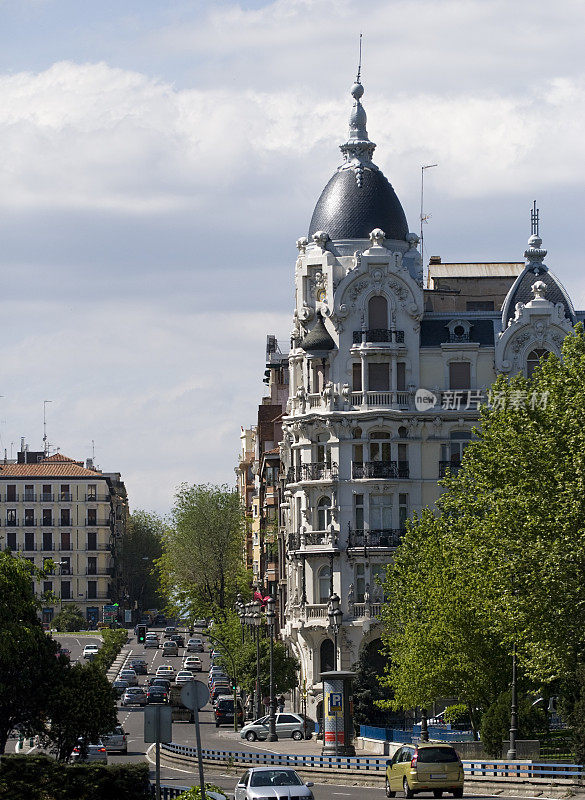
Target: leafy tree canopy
[201,565]
[69,618]
[504,559]
[139,549]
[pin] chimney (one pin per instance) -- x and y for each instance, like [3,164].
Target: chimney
[435,260]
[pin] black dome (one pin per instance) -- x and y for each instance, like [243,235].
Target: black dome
[348,211]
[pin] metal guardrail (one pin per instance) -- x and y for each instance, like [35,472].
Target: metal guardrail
[480,768]
[169,792]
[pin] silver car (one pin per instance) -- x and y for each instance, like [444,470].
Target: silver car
[116,741]
[294,726]
[263,782]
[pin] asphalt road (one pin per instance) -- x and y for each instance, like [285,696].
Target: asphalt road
[132,720]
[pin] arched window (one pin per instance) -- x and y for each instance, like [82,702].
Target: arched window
[402,432]
[357,433]
[323,513]
[324,584]
[378,313]
[534,359]
[326,656]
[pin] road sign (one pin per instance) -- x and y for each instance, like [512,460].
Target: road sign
[158,719]
[335,702]
[110,613]
[195,695]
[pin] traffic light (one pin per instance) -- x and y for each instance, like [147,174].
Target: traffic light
[141,634]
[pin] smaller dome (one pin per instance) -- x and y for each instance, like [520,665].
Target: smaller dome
[318,339]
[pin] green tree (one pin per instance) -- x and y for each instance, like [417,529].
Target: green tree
[495,723]
[137,554]
[28,663]
[69,618]
[504,559]
[80,704]
[371,696]
[201,563]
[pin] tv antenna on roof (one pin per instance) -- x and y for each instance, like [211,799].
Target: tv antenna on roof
[45,446]
[357,80]
[424,218]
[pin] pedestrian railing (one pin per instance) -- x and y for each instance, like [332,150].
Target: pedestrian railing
[169,792]
[483,768]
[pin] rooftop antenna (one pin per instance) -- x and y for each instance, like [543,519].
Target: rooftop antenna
[92,450]
[357,80]
[45,447]
[534,220]
[424,218]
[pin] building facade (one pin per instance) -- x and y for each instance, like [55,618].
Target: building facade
[66,518]
[386,376]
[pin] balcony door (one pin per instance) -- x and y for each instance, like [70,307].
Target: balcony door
[380,512]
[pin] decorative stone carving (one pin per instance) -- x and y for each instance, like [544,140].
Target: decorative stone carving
[377,237]
[321,238]
[306,313]
[302,245]
[538,290]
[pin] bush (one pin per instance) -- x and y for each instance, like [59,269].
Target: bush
[114,640]
[69,619]
[458,712]
[42,778]
[495,723]
[194,793]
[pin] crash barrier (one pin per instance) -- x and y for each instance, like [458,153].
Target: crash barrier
[483,768]
[441,734]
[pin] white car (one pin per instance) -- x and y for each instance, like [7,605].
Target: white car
[193,663]
[184,676]
[95,752]
[151,641]
[90,650]
[195,645]
[166,671]
[263,782]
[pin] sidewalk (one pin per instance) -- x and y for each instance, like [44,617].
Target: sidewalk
[306,747]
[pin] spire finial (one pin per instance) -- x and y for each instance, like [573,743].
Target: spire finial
[358,150]
[357,80]
[534,220]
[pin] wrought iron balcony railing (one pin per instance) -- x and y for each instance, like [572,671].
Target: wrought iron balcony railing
[378,537]
[313,472]
[380,469]
[446,467]
[378,335]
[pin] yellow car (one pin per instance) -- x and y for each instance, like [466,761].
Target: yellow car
[426,767]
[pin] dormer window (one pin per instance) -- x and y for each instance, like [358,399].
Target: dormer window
[534,359]
[459,330]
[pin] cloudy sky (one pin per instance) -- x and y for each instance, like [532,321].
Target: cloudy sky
[159,158]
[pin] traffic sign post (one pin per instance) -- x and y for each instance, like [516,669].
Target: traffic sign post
[158,727]
[195,695]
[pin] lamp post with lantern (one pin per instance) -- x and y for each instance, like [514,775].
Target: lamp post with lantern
[335,615]
[270,617]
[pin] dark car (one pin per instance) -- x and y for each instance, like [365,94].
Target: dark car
[224,712]
[139,666]
[157,694]
[163,683]
[180,640]
[120,687]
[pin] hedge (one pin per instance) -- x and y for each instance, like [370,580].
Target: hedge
[41,778]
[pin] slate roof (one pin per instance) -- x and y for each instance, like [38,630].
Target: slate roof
[318,339]
[348,211]
[521,292]
[434,332]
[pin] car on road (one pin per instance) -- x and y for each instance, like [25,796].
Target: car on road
[224,712]
[90,650]
[166,671]
[184,676]
[139,666]
[262,782]
[154,681]
[200,623]
[193,663]
[130,676]
[195,645]
[134,696]
[119,686]
[157,694]
[170,648]
[179,639]
[426,767]
[116,741]
[64,651]
[295,726]
[169,630]
[219,691]
[94,752]
[151,641]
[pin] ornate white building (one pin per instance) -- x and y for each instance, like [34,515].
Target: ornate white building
[362,447]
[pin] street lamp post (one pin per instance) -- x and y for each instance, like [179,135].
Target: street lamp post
[241,612]
[270,615]
[257,620]
[514,707]
[335,619]
[424,727]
